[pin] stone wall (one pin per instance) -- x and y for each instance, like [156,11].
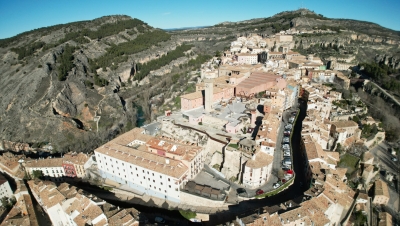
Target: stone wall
[232,163]
[190,199]
[379,137]
[216,158]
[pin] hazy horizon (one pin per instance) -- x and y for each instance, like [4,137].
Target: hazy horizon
[176,14]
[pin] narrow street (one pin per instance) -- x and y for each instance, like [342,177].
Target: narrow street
[294,192]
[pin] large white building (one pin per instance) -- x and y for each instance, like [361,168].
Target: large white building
[5,189]
[157,167]
[247,58]
[257,170]
[50,167]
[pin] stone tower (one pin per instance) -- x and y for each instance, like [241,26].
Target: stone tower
[208,95]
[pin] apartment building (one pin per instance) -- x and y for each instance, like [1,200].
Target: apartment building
[381,193]
[342,130]
[50,167]
[313,152]
[257,170]
[157,167]
[247,58]
[73,164]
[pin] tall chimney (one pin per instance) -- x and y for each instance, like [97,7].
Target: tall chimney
[208,95]
[253,118]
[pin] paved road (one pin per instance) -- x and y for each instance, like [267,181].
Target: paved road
[386,93]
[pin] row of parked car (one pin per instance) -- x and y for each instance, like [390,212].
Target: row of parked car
[287,160]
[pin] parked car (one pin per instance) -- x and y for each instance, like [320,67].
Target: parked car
[286,146]
[289,126]
[285,167]
[241,191]
[394,159]
[291,119]
[259,192]
[287,162]
[294,113]
[276,185]
[286,139]
[286,154]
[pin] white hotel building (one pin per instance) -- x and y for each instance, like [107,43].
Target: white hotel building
[51,168]
[158,167]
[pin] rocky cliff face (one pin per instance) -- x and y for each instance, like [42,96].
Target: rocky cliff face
[36,107]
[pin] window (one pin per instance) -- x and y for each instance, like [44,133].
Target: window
[169,179]
[154,181]
[169,186]
[153,174]
[161,183]
[144,177]
[160,176]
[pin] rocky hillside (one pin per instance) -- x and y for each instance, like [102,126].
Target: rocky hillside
[77,85]
[340,38]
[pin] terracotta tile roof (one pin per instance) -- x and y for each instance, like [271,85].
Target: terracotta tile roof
[345,124]
[257,78]
[47,192]
[128,137]
[367,156]
[313,149]
[49,162]
[144,159]
[381,188]
[385,219]
[22,213]
[262,159]
[78,159]
[192,96]
[185,150]
[123,217]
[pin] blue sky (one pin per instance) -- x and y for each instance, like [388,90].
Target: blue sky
[17,16]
